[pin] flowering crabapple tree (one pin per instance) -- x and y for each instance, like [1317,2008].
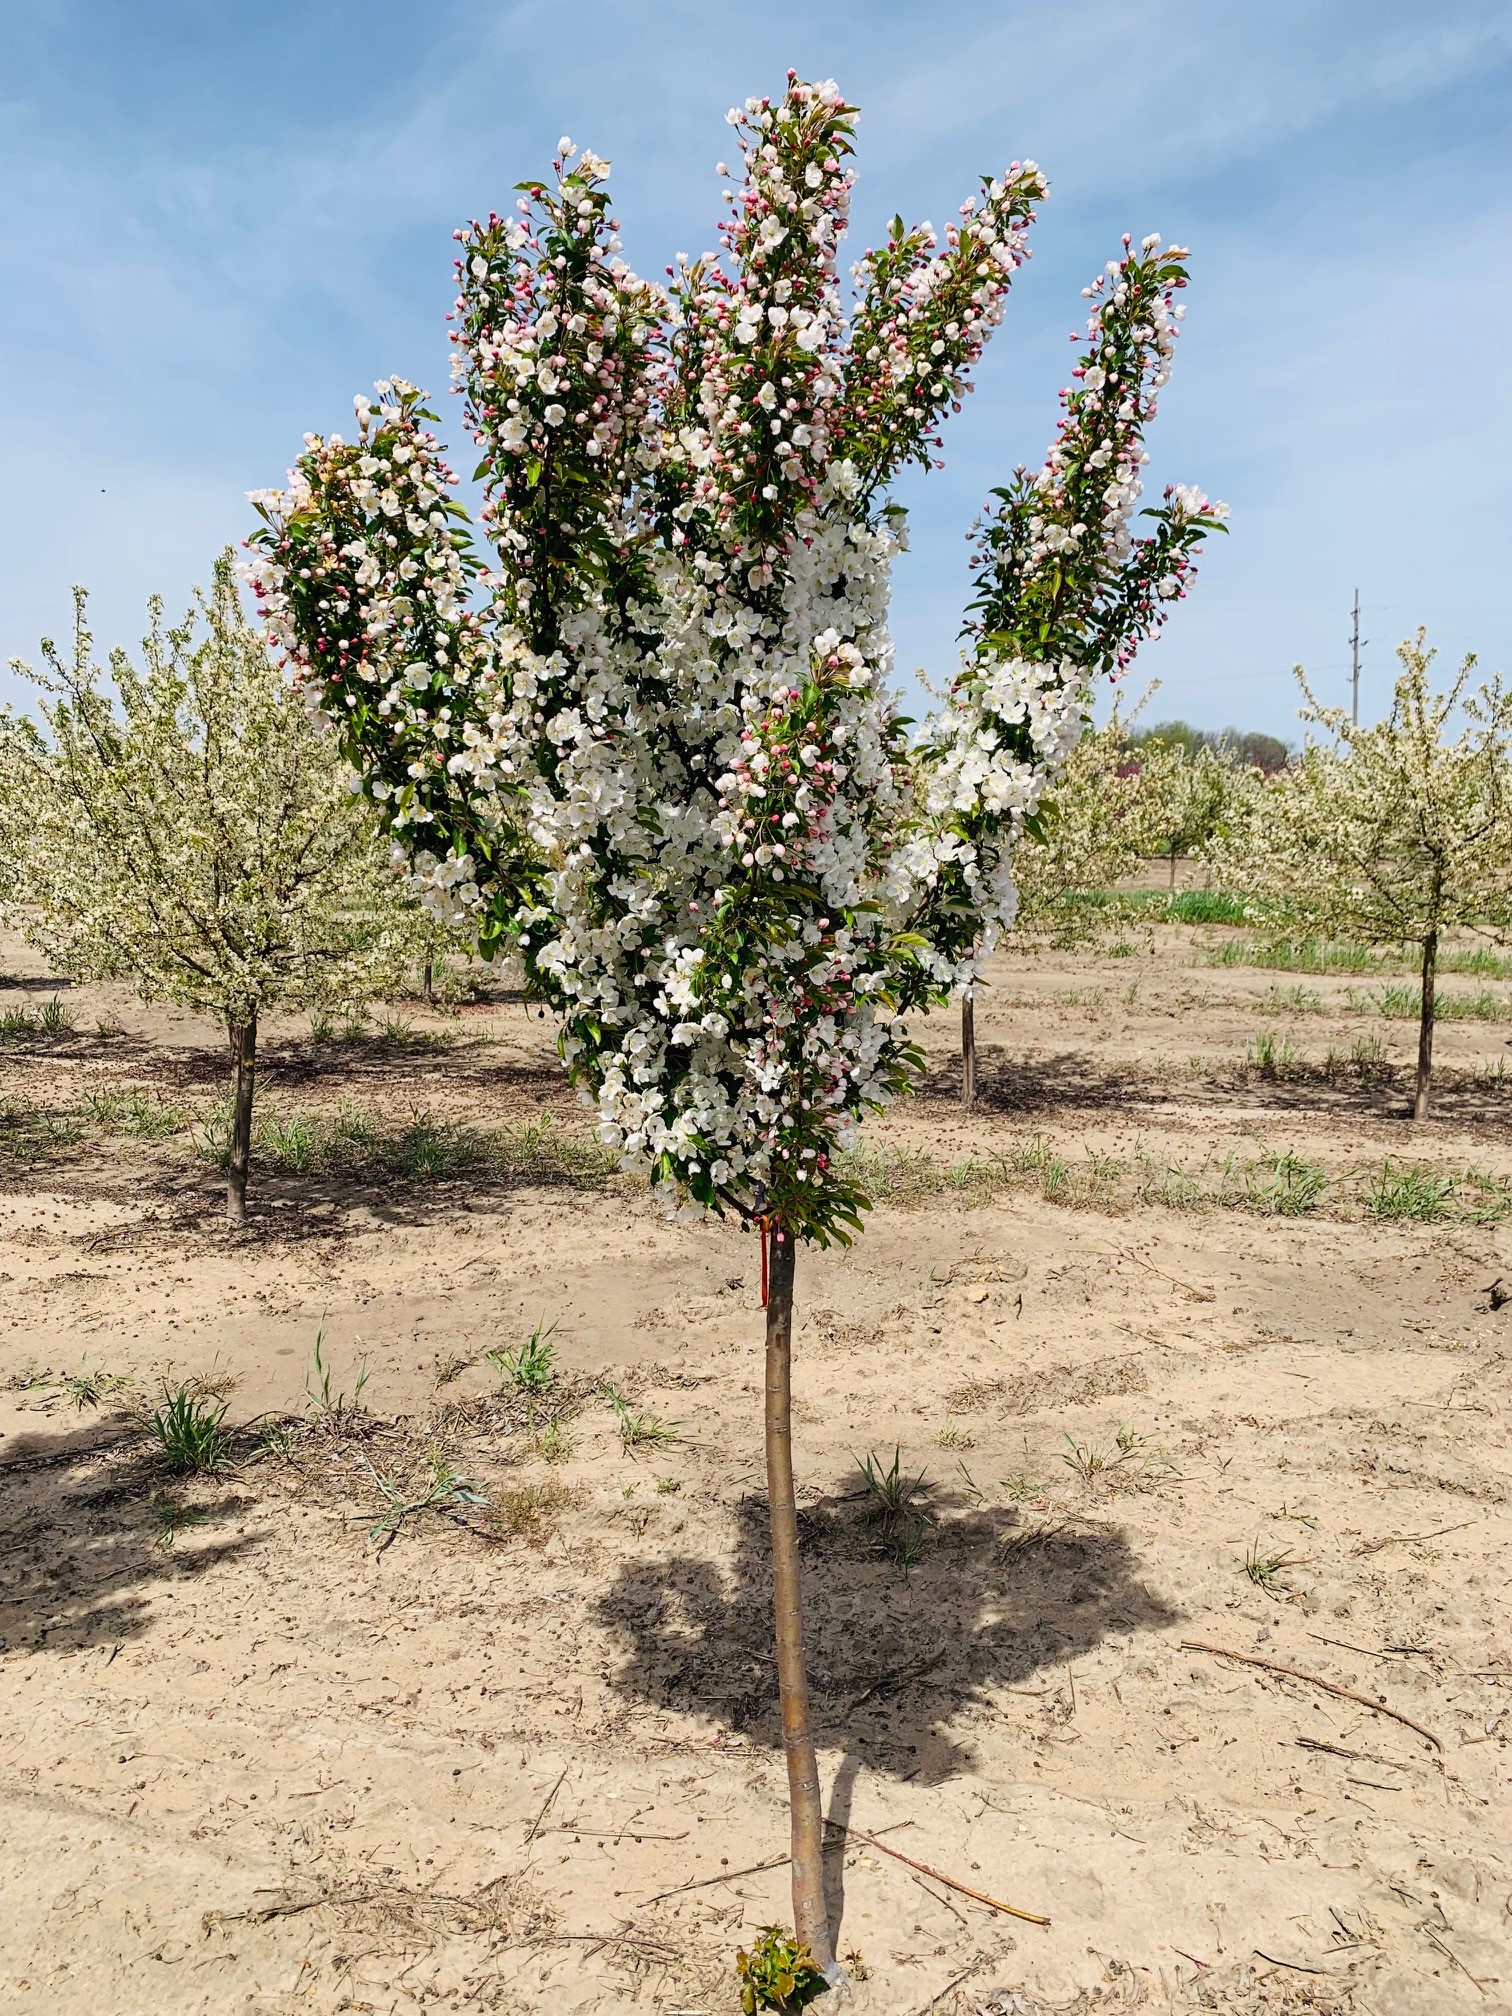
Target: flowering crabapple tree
[1394,833]
[650,743]
[195,835]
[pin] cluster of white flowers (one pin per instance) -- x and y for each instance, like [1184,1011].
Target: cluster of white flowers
[667,766]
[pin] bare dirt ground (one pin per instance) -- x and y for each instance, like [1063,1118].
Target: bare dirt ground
[288,1738]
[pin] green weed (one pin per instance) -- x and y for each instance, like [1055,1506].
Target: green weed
[637,1431]
[533,1367]
[189,1429]
[133,1111]
[1265,1567]
[335,1410]
[1294,1000]
[779,1973]
[1410,1190]
[89,1386]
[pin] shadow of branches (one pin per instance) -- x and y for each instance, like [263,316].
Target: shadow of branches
[91,1533]
[895,1655]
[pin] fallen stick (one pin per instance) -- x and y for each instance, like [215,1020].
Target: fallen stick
[1197,1294]
[535,1824]
[1406,1539]
[1295,1965]
[755,1869]
[724,1876]
[1010,1910]
[1312,1680]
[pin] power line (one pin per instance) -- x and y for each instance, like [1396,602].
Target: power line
[1355,641]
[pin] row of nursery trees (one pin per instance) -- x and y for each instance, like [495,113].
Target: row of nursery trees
[647,745]
[195,833]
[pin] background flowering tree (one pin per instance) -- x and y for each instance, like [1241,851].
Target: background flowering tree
[199,838]
[655,751]
[1394,833]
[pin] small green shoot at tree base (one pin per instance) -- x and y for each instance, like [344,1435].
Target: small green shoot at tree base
[779,1973]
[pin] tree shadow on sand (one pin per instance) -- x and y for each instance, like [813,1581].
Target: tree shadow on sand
[91,1534]
[896,1653]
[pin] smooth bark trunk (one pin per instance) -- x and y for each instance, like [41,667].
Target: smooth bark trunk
[430,980]
[1425,1028]
[968,1051]
[1173,871]
[810,1917]
[244,1059]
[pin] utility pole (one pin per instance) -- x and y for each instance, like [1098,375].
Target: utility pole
[1355,641]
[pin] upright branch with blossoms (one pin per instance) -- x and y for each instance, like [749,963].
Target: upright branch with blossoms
[655,751]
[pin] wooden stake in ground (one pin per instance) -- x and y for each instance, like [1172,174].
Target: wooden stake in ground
[968,1050]
[810,1916]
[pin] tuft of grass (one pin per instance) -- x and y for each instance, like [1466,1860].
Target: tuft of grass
[521,1512]
[554,1443]
[89,1386]
[447,1487]
[170,1517]
[1286,1184]
[1265,1567]
[641,1431]
[899,1504]
[1130,1447]
[134,1111]
[426,1150]
[533,1367]
[1365,1059]
[1410,1190]
[1204,906]
[1271,1056]
[189,1429]
[1301,955]
[1295,1000]
[1403,1003]
[336,1411]
[954,1436]
[53,1019]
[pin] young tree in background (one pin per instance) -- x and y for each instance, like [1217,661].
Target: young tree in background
[1393,834]
[199,838]
[1192,794]
[661,760]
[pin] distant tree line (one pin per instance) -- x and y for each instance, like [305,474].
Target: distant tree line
[1250,747]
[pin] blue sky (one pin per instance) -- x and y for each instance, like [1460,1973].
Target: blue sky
[222,222]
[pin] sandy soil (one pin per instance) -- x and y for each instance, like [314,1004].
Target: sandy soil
[273,1742]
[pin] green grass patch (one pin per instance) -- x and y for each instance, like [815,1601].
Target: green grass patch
[133,1111]
[1416,1191]
[1402,1003]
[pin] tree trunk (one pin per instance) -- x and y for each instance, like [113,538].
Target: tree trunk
[968,1050]
[810,1917]
[1173,867]
[1425,1028]
[429,982]
[244,1055]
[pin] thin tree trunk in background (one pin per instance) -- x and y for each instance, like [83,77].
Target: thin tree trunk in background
[810,1917]
[244,1055]
[429,980]
[1173,870]
[1425,1028]
[968,1050]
